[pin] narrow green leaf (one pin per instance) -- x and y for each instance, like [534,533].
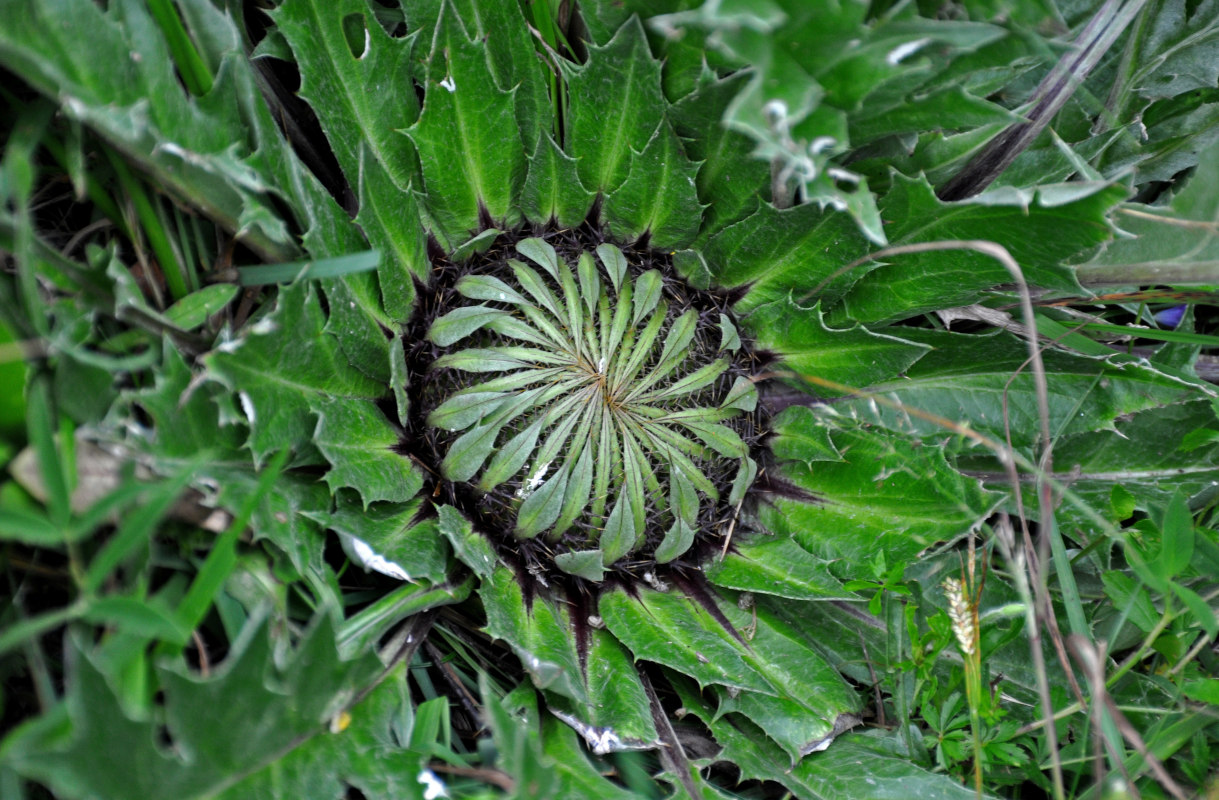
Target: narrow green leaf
[700,378]
[194,310]
[590,284]
[136,529]
[541,508]
[541,253]
[620,533]
[614,263]
[29,527]
[499,359]
[587,564]
[510,458]
[517,329]
[488,287]
[730,339]
[298,271]
[745,475]
[743,395]
[463,410]
[138,617]
[1177,542]
[1199,609]
[647,294]
[461,322]
[634,465]
[677,541]
[578,487]
[468,452]
[721,438]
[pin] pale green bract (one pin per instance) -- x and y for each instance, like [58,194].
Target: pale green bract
[605,411]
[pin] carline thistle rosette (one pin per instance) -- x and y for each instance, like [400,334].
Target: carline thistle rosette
[591,409]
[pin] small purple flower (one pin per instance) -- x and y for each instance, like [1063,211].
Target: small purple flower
[1170,317]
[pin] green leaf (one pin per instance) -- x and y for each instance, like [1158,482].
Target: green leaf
[659,196]
[728,179]
[357,321]
[616,106]
[887,494]
[194,310]
[510,457]
[1143,457]
[360,98]
[1163,250]
[391,220]
[983,380]
[232,723]
[368,753]
[587,564]
[853,356]
[779,253]
[1204,691]
[396,533]
[1177,543]
[552,189]
[674,630]
[461,322]
[620,534]
[1043,228]
[1131,598]
[801,436]
[539,634]
[467,137]
[541,508]
[144,617]
[29,527]
[784,680]
[1199,609]
[777,566]
[541,253]
[185,419]
[853,766]
[283,363]
[602,698]
[200,148]
[471,547]
[513,59]
[359,443]
[313,269]
[519,746]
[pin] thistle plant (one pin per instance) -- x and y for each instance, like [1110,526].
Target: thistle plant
[619,421]
[532,353]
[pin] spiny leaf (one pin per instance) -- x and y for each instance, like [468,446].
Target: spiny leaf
[357,440]
[280,364]
[659,196]
[615,103]
[466,135]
